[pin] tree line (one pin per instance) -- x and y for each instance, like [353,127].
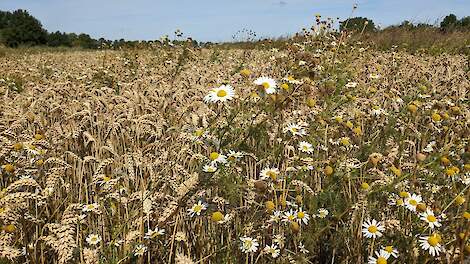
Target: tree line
[448,24]
[19,28]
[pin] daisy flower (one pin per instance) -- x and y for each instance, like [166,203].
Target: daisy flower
[93,239]
[275,217]
[234,155]
[289,216]
[430,218]
[302,248]
[93,207]
[292,80]
[221,94]
[391,251]
[271,173]
[432,244]
[197,209]
[381,257]
[140,250]
[372,229]
[216,157]
[302,217]
[269,85]
[305,147]
[295,130]
[322,213]
[154,233]
[209,168]
[412,201]
[351,85]
[273,250]
[249,245]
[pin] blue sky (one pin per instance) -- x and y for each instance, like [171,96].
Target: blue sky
[218,20]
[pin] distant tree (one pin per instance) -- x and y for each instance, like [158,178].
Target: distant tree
[357,24]
[449,22]
[56,39]
[20,28]
[465,22]
[85,41]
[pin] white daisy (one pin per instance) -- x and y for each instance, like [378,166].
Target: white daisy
[234,155]
[151,234]
[269,85]
[302,248]
[93,239]
[302,217]
[288,217]
[93,207]
[412,201]
[269,173]
[381,258]
[430,218]
[432,244]
[249,245]
[322,213]
[351,85]
[209,168]
[221,94]
[292,80]
[273,250]
[216,157]
[197,209]
[295,130]
[140,250]
[372,229]
[275,217]
[391,251]
[305,147]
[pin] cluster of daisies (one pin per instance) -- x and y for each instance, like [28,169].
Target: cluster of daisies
[432,243]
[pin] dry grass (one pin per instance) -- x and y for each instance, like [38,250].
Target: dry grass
[114,144]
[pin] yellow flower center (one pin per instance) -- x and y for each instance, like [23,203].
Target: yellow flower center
[291,217]
[106,178]
[214,155]
[389,249]
[221,93]
[198,132]
[300,215]
[247,244]
[433,241]
[431,218]
[381,260]
[372,229]
[345,141]
[197,208]
[413,202]
[272,175]
[399,202]
[265,85]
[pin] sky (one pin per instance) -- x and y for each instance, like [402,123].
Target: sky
[219,20]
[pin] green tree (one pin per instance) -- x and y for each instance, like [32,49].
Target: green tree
[449,22]
[20,28]
[357,24]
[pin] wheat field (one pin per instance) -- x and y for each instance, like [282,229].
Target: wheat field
[324,151]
